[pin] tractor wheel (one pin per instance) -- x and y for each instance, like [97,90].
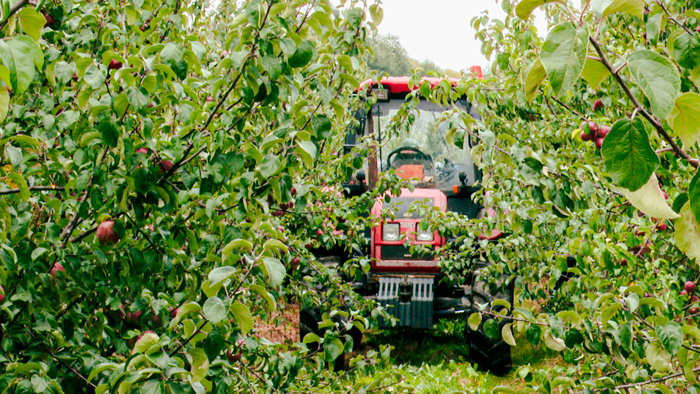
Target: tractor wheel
[490,354]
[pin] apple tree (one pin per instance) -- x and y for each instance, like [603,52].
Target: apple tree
[161,163]
[589,149]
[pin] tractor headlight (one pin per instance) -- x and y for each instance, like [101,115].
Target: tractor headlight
[390,232]
[424,235]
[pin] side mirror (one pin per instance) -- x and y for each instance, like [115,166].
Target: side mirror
[360,176]
[463,178]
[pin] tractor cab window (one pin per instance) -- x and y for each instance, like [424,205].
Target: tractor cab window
[419,150]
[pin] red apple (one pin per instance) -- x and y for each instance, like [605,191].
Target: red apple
[662,225]
[689,286]
[694,310]
[142,150]
[694,299]
[173,312]
[135,317]
[603,131]
[593,126]
[278,213]
[697,29]
[598,105]
[150,105]
[157,321]
[75,76]
[309,245]
[2,293]
[585,136]
[665,195]
[233,358]
[683,292]
[50,21]
[293,191]
[210,98]
[165,166]
[224,54]
[599,143]
[115,65]
[106,234]
[319,232]
[56,267]
[623,262]
[295,262]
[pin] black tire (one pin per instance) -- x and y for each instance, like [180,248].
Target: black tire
[492,355]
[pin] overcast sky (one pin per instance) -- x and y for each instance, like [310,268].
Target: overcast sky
[440,30]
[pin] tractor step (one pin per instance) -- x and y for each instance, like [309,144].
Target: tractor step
[417,312]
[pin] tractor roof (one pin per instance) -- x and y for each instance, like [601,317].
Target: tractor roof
[401,85]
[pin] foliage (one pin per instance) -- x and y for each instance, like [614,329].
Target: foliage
[195,132]
[620,321]
[388,55]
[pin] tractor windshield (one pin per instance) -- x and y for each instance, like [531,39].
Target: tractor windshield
[419,150]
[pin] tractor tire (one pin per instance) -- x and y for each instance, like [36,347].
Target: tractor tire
[489,354]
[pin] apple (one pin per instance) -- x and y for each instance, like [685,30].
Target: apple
[150,105]
[593,126]
[173,312]
[106,234]
[115,65]
[585,136]
[145,26]
[165,166]
[56,267]
[662,225]
[694,299]
[293,191]
[75,76]
[127,317]
[623,262]
[2,293]
[689,286]
[665,195]
[224,54]
[683,292]
[309,245]
[142,150]
[603,131]
[295,262]
[233,358]
[210,98]
[694,310]
[599,142]
[135,317]
[290,205]
[157,321]
[280,228]
[50,21]
[598,105]
[232,321]
[319,232]
[278,213]
[638,232]
[697,29]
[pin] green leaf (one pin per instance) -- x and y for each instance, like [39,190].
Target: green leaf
[654,27]
[658,79]
[275,271]
[525,7]
[533,334]
[172,53]
[491,329]
[684,118]
[18,57]
[628,154]
[564,55]
[220,274]
[333,349]
[687,234]
[4,103]
[671,336]
[214,344]
[184,310]
[101,367]
[632,7]
[507,334]
[243,317]
[474,321]
[694,196]
[21,184]
[535,76]
[270,165]
[94,77]
[650,200]
[376,13]
[214,310]
[553,343]
[302,56]
[200,364]
[138,98]
[594,72]
[686,50]
[271,304]
[658,357]
[307,152]
[32,22]
[147,340]
[108,132]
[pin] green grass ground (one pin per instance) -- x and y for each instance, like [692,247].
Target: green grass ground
[437,360]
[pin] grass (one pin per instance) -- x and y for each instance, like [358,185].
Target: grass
[437,360]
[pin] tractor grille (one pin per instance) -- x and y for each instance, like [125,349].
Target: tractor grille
[418,312]
[401,252]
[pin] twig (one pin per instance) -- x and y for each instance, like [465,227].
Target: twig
[687,30]
[177,349]
[33,189]
[13,10]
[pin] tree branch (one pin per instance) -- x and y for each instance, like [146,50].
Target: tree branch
[13,10]
[33,189]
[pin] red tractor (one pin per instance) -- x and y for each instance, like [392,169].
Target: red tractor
[405,281]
